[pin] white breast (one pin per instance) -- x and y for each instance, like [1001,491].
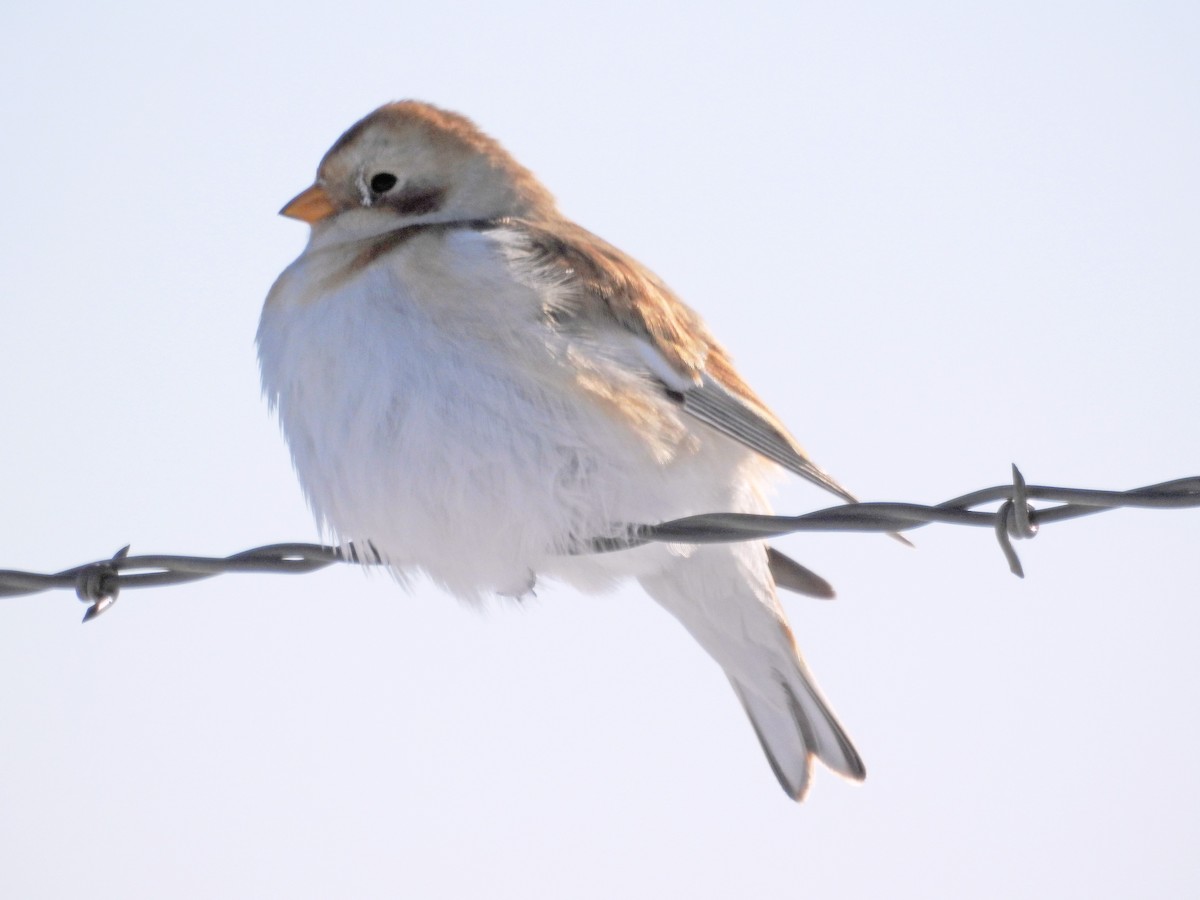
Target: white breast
[431,411]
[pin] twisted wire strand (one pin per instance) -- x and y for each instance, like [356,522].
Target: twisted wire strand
[98,583]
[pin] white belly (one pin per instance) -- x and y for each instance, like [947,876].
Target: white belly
[449,431]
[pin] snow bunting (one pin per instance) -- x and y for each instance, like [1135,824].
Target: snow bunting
[478,389]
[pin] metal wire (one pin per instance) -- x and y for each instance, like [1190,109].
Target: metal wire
[98,583]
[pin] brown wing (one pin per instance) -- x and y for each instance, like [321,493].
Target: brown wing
[638,300]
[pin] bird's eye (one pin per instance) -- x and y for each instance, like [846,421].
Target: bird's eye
[382,183]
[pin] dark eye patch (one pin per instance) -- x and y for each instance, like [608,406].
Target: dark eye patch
[418,200]
[382,182]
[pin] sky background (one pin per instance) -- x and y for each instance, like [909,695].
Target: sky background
[938,238]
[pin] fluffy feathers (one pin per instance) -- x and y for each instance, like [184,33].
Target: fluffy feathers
[478,387]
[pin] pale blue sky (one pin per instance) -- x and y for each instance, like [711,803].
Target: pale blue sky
[938,238]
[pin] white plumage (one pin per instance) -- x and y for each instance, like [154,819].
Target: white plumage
[478,388]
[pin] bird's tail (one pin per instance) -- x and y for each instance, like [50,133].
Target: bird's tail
[793,726]
[723,594]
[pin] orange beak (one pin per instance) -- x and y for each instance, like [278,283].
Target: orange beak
[311,205]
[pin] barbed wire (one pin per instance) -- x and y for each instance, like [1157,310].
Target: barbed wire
[98,583]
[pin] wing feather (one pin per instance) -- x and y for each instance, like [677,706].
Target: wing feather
[597,281]
[717,406]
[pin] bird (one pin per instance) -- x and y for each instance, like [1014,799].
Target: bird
[483,392]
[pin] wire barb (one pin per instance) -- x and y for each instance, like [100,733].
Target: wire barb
[99,583]
[1014,519]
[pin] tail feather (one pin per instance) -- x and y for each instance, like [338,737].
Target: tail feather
[725,597]
[776,730]
[813,716]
